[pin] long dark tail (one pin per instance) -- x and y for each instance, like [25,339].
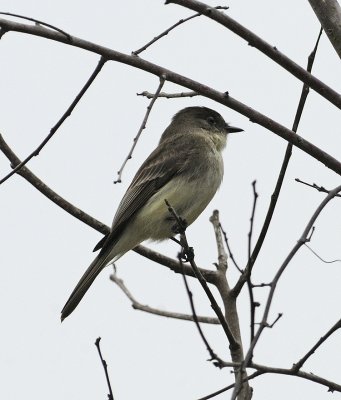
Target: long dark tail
[83,285]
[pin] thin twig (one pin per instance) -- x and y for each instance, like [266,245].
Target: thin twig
[60,122]
[279,273]
[332,386]
[260,285]
[181,21]
[229,249]
[142,127]
[213,357]
[156,311]
[38,22]
[299,364]
[263,369]
[105,367]
[168,95]
[319,257]
[222,256]
[279,316]
[226,388]
[253,304]
[255,197]
[190,256]
[280,179]
[314,186]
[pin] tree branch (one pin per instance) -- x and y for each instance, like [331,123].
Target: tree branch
[299,364]
[142,127]
[275,195]
[255,41]
[156,311]
[302,240]
[204,90]
[105,367]
[328,13]
[60,121]
[164,33]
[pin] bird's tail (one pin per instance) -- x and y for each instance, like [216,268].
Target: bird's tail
[83,285]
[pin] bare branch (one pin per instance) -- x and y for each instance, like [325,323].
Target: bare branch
[263,369]
[217,360]
[286,262]
[280,179]
[156,311]
[253,304]
[60,122]
[314,186]
[255,41]
[226,388]
[300,374]
[142,127]
[168,95]
[329,14]
[264,322]
[222,256]
[190,257]
[279,316]
[164,33]
[231,314]
[319,257]
[299,364]
[220,97]
[37,22]
[255,197]
[229,249]
[105,367]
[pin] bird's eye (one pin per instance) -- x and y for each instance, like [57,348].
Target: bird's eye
[211,120]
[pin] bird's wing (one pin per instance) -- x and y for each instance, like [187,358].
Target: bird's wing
[159,168]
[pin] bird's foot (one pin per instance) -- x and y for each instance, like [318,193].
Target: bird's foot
[180,226]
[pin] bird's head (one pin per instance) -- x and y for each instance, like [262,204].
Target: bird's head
[200,119]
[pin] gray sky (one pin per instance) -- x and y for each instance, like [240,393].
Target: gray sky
[44,250]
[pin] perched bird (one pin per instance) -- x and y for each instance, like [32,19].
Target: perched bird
[186,168]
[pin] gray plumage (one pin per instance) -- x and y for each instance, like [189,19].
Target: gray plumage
[186,169]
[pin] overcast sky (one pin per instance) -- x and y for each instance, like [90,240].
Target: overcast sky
[44,251]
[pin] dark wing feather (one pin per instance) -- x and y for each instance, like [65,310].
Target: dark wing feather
[158,169]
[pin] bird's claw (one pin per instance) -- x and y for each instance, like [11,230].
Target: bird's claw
[180,226]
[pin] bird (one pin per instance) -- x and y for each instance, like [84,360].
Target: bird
[186,169]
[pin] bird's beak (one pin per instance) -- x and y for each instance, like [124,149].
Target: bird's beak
[231,129]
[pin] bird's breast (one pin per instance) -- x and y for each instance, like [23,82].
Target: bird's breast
[188,193]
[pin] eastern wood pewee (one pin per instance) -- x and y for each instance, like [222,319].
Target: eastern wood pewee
[186,169]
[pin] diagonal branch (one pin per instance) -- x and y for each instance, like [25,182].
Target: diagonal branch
[164,33]
[329,14]
[217,360]
[37,22]
[188,251]
[280,179]
[142,127]
[315,186]
[333,329]
[156,311]
[105,367]
[200,88]
[255,41]
[60,122]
